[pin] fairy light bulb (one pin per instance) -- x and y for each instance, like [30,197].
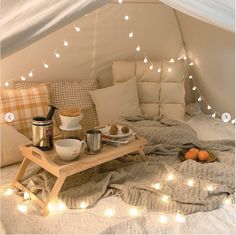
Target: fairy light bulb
[170,177]
[57,54]
[120,1]
[210,188]
[6,83]
[163,219]
[22,78]
[190,76]
[194,88]
[22,208]
[213,115]
[56,207]
[199,99]
[138,48]
[145,60]
[77,28]
[208,107]
[169,70]
[131,34]
[165,198]
[185,58]
[172,60]
[233,121]
[190,183]
[83,205]
[109,213]
[157,186]
[31,74]
[228,201]
[45,66]
[66,43]
[191,63]
[151,67]
[180,218]
[26,196]
[159,70]
[126,17]
[9,192]
[134,212]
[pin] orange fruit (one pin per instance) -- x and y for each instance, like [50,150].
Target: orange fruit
[203,155]
[195,150]
[191,155]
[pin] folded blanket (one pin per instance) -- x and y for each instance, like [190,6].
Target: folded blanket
[133,180]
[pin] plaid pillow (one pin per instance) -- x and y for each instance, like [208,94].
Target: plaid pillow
[24,104]
[69,94]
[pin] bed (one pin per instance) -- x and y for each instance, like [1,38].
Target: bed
[220,221]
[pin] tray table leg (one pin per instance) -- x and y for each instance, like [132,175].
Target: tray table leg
[53,194]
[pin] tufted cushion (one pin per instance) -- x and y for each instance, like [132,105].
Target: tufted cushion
[161,90]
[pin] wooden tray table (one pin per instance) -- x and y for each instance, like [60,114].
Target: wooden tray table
[50,161]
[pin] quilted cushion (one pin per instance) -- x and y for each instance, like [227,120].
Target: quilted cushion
[161,90]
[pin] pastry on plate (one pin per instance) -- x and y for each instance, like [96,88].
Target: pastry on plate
[113,130]
[125,129]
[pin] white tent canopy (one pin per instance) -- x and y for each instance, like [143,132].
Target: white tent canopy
[25,21]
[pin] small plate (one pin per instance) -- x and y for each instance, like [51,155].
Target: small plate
[70,129]
[120,134]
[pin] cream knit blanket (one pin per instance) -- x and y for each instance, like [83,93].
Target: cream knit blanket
[133,180]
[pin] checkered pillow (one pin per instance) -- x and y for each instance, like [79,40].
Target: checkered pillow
[69,94]
[24,104]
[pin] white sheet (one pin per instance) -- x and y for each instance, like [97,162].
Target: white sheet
[220,221]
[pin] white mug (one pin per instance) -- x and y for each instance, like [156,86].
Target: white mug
[69,149]
[70,122]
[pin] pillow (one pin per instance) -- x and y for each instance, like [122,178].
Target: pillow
[161,90]
[117,101]
[24,104]
[69,94]
[10,141]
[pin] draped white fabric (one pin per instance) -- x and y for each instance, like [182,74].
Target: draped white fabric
[218,12]
[24,21]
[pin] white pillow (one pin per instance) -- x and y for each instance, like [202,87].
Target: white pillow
[116,102]
[10,141]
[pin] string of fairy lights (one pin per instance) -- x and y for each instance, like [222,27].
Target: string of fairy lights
[58,206]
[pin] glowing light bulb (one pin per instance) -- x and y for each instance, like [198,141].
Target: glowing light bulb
[31,74]
[134,212]
[190,183]
[191,64]
[26,196]
[163,219]
[6,83]
[145,60]
[66,43]
[169,69]
[165,198]
[208,107]
[194,88]
[56,207]
[172,60]
[228,201]
[77,28]
[22,78]
[210,188]
[213,115]
[126,17]
[199,99]
[157,186]
[151,67]
[9,192]
[159,70]
[170,177]
[22,208]
[120,1]
[138,48]
[233,121]
[83,205]
[131,34]
[185,58]
[45,66]
[109,213]
[190,76]
[57,54]
[180,218]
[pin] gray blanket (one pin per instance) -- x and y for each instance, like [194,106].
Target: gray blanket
[132,179]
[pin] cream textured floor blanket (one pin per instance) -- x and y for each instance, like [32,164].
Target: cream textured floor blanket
[132,180]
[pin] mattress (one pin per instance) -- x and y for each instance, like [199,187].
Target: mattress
[92,221]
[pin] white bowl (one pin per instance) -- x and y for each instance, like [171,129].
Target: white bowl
[70,122]
[69,149]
